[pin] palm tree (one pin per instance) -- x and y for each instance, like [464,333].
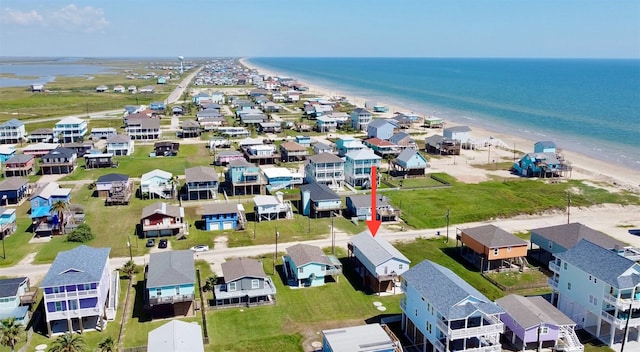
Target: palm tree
[68,342]
[10,332]
[108,345]
[129,268]
[59,207]
[175,186]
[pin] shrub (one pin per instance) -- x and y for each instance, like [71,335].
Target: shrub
[81,234]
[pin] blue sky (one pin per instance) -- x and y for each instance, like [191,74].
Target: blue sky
[360,28]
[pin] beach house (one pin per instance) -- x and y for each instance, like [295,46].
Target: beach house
[382,147]
[357,167]
[359,206]
[462,134]
[281,178]
[360,119]
[245,284]
[442,312]
[243,178]
[348,144]
[292,152]
[12,132]
[120,144]
[490,248]
[70,129]
[170,283]
[19,165]
[45,221]
[7,222]
[76,290]
[272,207]
[201,183]
[41,135]
[409,163]
[380,128]
[143,128]
[599,290]
[318,200]
[545,161]
[223,216]
[306,265]
[13,190]
[325,168]
[157,184]
[15,298]
[377,262]
[162,219]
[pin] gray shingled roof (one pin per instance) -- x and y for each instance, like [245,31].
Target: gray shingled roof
[12,183]
[531,311]
[9,287]
[567,235]
[40,131]
[447,291]
[200,174]
[292,146]
[162,208]
[171,268]
[364,201]
[376,249]
[219,208]
[303,254]
[458,129]
[491,236]
[19,158]
[60,152]
[242,267]
[546,144]
[80,265]
[119,138]
[602,263]
[190,123]
[109,178]
[407,154]
[325,158]
[319,192]
[377,123]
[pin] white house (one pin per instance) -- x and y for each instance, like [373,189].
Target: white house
[272,207]
[157,183]
[325,168]
[12,131]
[458,133]
[120,144]
[70,129]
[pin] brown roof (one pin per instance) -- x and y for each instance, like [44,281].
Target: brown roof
[303,254]
[491,236]
[292,146]
[162,208]
[325,158]
[242,267]
[378,142]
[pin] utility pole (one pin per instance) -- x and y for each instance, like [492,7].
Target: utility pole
[333,237]
[568,207]
[130,251]
[447,226]
[275,254]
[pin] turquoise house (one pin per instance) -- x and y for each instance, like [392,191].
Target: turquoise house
[11,292]
[7,221]
[171,279]
[306,265]
[410,162]
[348,144]
[544,147]
[243,177]
[6,152]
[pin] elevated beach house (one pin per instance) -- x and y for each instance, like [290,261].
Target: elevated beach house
[76,290]
[410,163]
[489,248]
[380,128]
[59,161]
[157,184]
[162,219]
[44,220]
[326,169]
[348,144]
[377,262]
[41,135]
[442,312]
[599,290]
[143,128]
[269,207]
[292,152]
[245,284]
[120,144]
[319,200]
[359,206]
[12,132]
[462,134]
[170,283]
[545,161]
[281,178]
[7,222]
[360,119]
[109,184]
[70,129]
[201,182]
[243,178]
[533,323]
[357,167]
[306,265]
[15,298]
[13,190]
[20,165]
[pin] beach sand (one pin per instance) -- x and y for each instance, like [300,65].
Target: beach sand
[614,178]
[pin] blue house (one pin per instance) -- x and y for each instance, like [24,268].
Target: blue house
[306,265]
[319,200]
[409,163]
[13,294]
[380,128]
[359,206]
[348,144]
[7,221]
[171,279]
[358,165]
[76,289]
[6,152]
[13,190]
[540,165]
[242,177]
[46,221]
[305,141]
[157,106]
[223,216]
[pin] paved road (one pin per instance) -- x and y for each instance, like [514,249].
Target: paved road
[177,93]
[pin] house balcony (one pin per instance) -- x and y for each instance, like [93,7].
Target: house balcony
[221,292]
[403,304]
[163,226]
[620,321]
[71,294]
[554,267]
[171,299]
[553,283]
[490,325]
[490,348]
[197,188]
[624,301]
[75,313]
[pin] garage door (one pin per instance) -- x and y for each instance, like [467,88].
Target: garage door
[227,225]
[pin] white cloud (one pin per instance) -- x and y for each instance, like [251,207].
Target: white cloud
[21,18]
[70,18]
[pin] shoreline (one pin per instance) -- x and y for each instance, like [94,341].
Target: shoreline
[584,166]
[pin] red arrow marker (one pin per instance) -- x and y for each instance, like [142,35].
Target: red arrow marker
[374,223]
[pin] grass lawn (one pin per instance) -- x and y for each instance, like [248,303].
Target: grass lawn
[516,280]
[427,208]
[17,246]
[417,182]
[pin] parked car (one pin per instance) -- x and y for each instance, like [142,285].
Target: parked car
[162,244]
[151,242]
[200,248]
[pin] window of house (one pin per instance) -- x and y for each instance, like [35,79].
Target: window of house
[544,330]
[550,244]
[568,286]
[56,289]
[255,284]
[589,277]
[158,292]
[232,286]
[595,280]
[590,298]
[73,304]
[429,327]
[565,266]
[399,266]
[416,313]
[177,290]
[508,249]
[58,306]
[495,251]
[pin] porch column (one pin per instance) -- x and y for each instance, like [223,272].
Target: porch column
[82,325]
[612,333]
[48,328]
[424,343]
[403,323]
[69,325]
[599,324]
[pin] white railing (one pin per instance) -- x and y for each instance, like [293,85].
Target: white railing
[438,345]
[491,348]
[553,283]
[87,293]
[554,267]
[74,313]
[454,334]
[623,303]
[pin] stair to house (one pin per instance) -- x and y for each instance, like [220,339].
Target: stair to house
[573,344]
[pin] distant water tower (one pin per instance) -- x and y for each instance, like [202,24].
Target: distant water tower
[181,59]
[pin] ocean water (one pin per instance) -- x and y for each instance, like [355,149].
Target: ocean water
[587,106]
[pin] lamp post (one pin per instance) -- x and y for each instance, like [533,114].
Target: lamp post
[568,206]
[447,226]
[489,155]
[275,254]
